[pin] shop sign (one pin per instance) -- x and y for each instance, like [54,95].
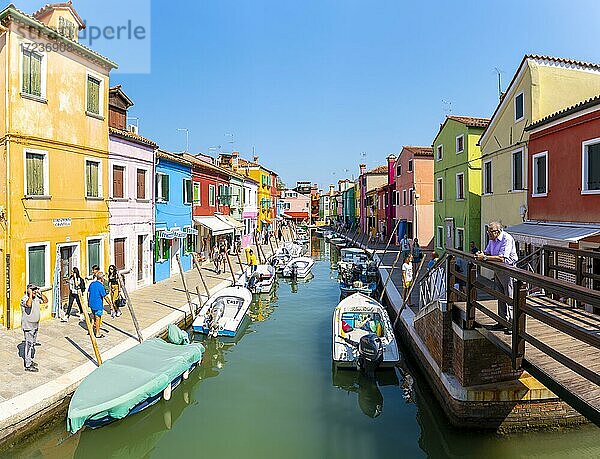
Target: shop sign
[61,222]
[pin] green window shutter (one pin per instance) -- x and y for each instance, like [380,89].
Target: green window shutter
[187,191]
[92,182]
[93,254]
[36,75]
[37,265]
[166,249]
[156,186]
[165,187]
[35,174]
[26,72]
[197,193]
[93,91]
[156,247]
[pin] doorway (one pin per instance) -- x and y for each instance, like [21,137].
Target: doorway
[175,247]
[66,267]
[140,258]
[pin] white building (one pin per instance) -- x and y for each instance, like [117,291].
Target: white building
[250,210]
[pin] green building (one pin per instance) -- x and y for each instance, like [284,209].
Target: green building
[457,182]
[349,206]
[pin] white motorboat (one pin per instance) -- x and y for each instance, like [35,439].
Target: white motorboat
[338,242]
[363,337]
[284,254]
[262,280]
[224,312]
[298,267]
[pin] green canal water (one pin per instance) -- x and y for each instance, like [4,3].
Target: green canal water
[273,394]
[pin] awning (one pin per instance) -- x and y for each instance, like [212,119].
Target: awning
[189,230]
[166,234]
[540,233]
[215,225]
[231,222]
[295,214]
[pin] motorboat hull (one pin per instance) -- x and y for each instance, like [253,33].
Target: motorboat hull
[235,304]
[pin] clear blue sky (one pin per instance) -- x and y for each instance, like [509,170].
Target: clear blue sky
[311,84]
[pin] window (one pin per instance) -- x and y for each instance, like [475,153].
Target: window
[162,187]
[460,186]
[410,165]
[460,144]
[187,191]
[119,253]
[197,193]
[211,195]
[190,243]
[540,174]
[517,170]
[38,264]
[94,98]
[439,152]
[487,177]
[118,180]
[32,73]
[396,197]
[459,239]
[409,230]
[66,28]
[162,249]
[591,166]
[93,181]
[36,173]
[440,236]
[411,197]
[399,170]
[141,184]
[519,107]
[385,201]
[486,237]
[93,253]
[404,197]
[440,189]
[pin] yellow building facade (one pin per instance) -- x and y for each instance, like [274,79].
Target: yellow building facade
[541,86]
[264,178]
[53,156]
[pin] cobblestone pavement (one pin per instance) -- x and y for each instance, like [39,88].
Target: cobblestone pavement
[66,345]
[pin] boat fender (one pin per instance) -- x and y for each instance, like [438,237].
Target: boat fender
[167,392]
[186,374]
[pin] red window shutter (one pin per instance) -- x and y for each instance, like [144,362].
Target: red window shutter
[120,253]
[118,172]
[141,184]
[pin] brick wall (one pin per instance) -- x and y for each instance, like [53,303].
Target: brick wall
[435,329]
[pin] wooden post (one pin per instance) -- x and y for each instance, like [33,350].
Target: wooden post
[90,327]
[546,258]
[272,250]
[123,289]
[410,289]
[187,292]
[388,244]
[518,323]
[202,278]
[389,275]
[230,267]
[199,297]
[450,281]
[471,295]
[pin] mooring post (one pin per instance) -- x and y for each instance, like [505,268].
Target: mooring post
[471,295]
[187,292]
[122,288]
[518,323]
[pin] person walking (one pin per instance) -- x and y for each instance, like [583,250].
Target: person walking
[30,322]
[215,259]
[76,288]
[252,261]
[407,279]
[405,246]
[501,248]
[279,235]
[95,297]
[223,256]
[266,238]
[113,285]
[417,253]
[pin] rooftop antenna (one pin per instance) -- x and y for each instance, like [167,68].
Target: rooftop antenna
[499,73]
[231,140]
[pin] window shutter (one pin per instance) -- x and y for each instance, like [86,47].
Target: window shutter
[26,72]
[197,193]
[93,105]
[593,172]
[37,265]
[93,254]
[36,75]
[157,187]
[35,174]
[92,184]
[119,253]
[156,247]
[141,184]
[165,187]
[118,172]
[166,249]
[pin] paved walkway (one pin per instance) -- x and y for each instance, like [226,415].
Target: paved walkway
[65,354]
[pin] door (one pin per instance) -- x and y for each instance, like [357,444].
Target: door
[401,229]
[449,233]
[140,258]
[175,248]
[66,267]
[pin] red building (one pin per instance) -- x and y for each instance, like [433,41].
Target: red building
[563,197]
[382,204]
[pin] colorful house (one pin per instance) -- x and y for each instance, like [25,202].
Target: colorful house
[295,206]
[391,196]
[131,208]
[349,205]
[250,211]
[264,178]
[457,169]
[369,181]
[563,199]
[53,172]
[541,86]
[414,194]
[175,234]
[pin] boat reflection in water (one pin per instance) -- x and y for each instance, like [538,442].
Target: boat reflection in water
[370,399]
[294,283]
[263,305]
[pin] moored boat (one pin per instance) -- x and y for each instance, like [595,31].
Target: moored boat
[298,267]
[262,280]
[224,313]
[132,381]
[363,337]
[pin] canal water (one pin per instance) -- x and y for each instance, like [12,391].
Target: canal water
[273,394]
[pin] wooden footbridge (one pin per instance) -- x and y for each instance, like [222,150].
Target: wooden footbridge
[553,337]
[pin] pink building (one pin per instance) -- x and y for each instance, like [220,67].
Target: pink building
[295,206]
[414,191]
[370,181]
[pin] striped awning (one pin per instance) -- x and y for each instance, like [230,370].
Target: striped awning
[190,230]
[166,234]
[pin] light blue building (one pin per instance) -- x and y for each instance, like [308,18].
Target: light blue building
[174,233]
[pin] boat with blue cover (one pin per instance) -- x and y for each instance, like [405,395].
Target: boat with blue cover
[133,380]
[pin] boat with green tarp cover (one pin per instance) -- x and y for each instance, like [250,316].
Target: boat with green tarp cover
[132,381]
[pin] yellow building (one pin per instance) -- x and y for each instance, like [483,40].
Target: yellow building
[264,178]
[53,156]
[541,86]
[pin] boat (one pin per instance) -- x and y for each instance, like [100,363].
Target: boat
[224,312]
[133,380]
[298,267]
[357,272]
[338,242]
[348,288]
[284,254]
[363,337]
[262,280]
[328,234]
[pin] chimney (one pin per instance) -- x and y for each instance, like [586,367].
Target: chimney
[363,168]
[331,189]
[391,159]
[235,154]
[255,159]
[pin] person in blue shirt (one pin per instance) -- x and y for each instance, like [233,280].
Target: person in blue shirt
[95,296]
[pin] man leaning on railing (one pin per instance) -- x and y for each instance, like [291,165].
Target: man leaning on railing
[501,247]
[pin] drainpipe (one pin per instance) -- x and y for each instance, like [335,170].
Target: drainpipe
[8,182]
[155,162]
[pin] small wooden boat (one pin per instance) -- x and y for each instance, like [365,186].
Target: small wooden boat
[363,336]
[224,312]
[298,267]
[132,381]
[262,280]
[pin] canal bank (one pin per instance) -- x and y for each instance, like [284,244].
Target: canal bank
[472,380]
[28,401]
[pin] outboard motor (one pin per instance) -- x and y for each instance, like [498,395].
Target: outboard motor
[370,354]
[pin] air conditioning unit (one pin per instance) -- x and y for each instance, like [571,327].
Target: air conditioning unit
[132,128]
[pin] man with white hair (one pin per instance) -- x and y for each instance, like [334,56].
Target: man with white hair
[501,247]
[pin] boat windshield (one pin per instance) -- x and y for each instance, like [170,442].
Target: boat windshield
[368,321]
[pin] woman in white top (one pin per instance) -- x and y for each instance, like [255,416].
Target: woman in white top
[407,279]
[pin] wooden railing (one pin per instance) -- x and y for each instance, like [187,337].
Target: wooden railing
[521,309]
